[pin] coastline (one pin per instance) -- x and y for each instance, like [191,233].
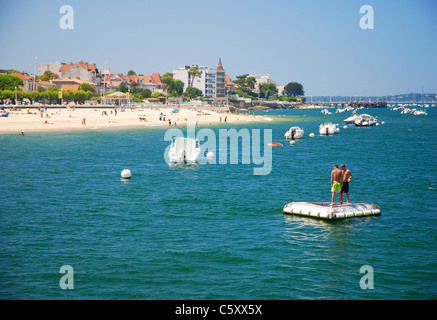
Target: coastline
[64,119]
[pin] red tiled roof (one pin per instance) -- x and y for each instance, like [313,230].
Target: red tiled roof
[21,76]
[156,78]
[65,67]
[145,79]
[91,67]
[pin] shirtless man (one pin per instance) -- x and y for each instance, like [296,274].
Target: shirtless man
[336,176]
[346,178]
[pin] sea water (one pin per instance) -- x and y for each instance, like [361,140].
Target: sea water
[218,231]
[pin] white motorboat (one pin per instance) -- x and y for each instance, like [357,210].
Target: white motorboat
[328,128]
[325,111]
[184,150]
[420,113]
[366,121]
[294,133]
[352,119]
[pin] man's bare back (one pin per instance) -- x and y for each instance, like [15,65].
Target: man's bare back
[336,175]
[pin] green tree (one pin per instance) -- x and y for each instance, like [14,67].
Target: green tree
[266,90]
[87,87]
[123,88]
[294,89]
[157,94]
[176,88]
[68,95]
[241,80]
[193,73]
[131,73]
[245,92]
[250,82]
[13,71]
[8,95]
[167,79]
[48,75]
[79,96]
[9,82]
[192,92]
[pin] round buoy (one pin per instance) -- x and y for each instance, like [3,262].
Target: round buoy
[382,122]
[210,155]
[292,142]
[126,174]
[377,124]
[311,135]
[345,127]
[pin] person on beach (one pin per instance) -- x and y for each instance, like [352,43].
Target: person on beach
[83,122]
[336,175]
[346,178]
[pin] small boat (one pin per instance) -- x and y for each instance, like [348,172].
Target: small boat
[275,144]
[325,111]
[324,210]
[366,121]
[328,128]
[184,150]
[420,113]
[294,133]
[352,119]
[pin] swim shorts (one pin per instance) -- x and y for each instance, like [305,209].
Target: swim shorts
[336,187]
[345,187]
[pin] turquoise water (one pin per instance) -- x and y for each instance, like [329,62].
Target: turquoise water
[217,231]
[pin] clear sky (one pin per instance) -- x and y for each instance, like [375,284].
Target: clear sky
[318,43]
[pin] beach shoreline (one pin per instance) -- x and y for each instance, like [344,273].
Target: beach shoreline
[68,119]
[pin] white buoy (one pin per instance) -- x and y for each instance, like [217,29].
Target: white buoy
[210,155]
[311,135]
[292,142]
[377,124]
[344,127]
[382,122]
[126,174]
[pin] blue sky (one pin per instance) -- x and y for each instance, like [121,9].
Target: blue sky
[318,43]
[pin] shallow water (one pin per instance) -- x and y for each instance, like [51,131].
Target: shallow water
[217,231]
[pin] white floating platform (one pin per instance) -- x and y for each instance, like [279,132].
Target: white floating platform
[324,210]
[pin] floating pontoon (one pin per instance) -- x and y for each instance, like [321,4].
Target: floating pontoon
[324,210]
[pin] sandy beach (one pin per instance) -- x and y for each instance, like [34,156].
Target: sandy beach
[69,119]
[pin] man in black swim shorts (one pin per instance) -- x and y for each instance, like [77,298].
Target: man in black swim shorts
[347,176]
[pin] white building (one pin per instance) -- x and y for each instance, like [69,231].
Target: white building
[211,82]
[260,79]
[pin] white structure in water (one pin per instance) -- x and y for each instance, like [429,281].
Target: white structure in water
[324,210]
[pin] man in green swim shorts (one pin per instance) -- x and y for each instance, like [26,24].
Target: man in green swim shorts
[336,176]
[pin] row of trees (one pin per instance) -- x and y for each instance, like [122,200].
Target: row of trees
[47,96]
[246,86]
